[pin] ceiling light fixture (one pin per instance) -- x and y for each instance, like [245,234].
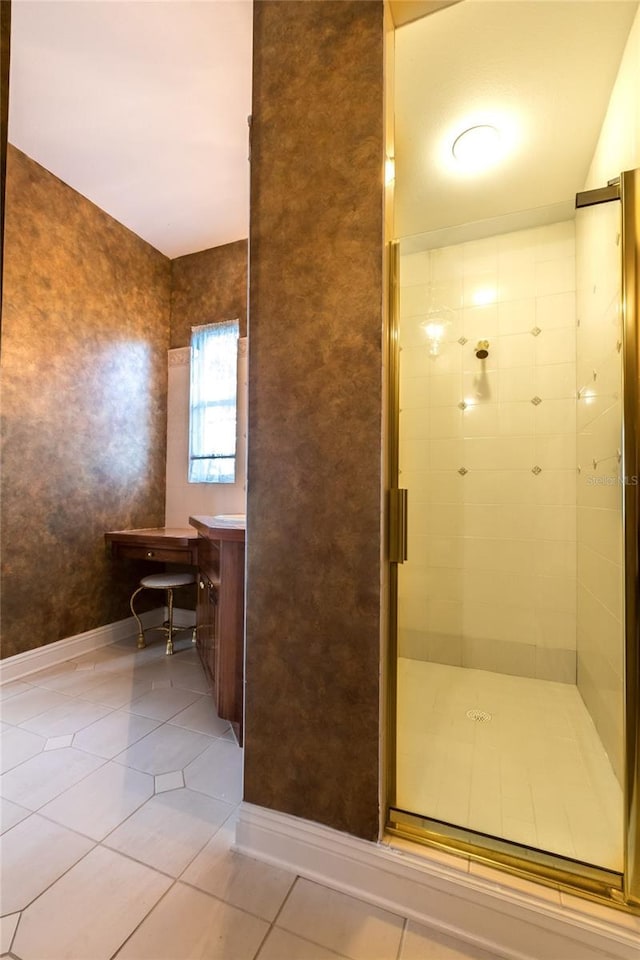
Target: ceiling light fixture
[478,147]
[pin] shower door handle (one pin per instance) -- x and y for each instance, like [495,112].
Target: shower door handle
[398,525]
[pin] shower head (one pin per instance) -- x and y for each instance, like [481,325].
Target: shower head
[482,349]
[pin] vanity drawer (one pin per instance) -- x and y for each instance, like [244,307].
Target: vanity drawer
[164,554]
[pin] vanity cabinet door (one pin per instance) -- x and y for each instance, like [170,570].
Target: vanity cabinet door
[207,625]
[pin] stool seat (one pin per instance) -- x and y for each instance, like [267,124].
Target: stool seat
[162,581]
[168,582]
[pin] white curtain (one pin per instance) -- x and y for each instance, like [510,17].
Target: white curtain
[213,403]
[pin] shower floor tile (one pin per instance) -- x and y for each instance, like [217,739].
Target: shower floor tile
[535,772]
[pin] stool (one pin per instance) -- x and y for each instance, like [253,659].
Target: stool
[161,581]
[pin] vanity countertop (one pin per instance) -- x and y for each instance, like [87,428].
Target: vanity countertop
[220,527]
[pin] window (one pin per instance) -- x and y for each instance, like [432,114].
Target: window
[213,401]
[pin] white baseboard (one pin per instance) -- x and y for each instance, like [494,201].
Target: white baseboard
[51,654]
[507,921]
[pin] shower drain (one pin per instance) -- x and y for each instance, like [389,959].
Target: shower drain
[480,715]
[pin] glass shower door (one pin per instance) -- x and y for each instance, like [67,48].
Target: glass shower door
[510,619]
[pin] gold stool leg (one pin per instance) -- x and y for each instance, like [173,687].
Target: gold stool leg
[169,649]
[141,643]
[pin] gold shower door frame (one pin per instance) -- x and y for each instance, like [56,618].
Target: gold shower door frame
[619,889]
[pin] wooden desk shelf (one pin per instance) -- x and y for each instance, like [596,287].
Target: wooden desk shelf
[163,544]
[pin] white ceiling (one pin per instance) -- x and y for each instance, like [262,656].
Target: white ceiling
[142,107]
[548,66]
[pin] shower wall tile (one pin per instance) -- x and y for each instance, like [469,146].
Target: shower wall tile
[414,301]
[84,347]
[445,422]
[431,647]
[479,322]
[600,528]
[555,487]
[555,380]
[493,548]
[445,519]
[446,265]
[556,453]
[445,551]
[445,617]
[499,555]
[415,613]
[480,257]
[516,316]
[414,393]
[499,656]
[446,453]
[516,418]
[556,416]
[555,276]
[414,362]
[555,346]
[557,631]
[479,421]
[444,488]
[591,405]
[553,559]
[445,648]
[517,350]
[556,664]
[517,385]
[556,310]
[444,390]
[556,241]
[517,275]
[555,523]
[601,577]
[556,595]
[482,621]
[415,269]
[447,584]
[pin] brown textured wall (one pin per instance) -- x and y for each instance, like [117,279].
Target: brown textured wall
[315,411]
[206,287]
[85,333]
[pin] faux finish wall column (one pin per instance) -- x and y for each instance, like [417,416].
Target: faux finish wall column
[315,402]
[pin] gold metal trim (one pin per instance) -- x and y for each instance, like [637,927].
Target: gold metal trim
[630,190]
[588,198]
[397,526]
[394,363]
[393,472]
[594,883]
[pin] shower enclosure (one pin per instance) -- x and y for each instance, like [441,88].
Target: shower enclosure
[514,524]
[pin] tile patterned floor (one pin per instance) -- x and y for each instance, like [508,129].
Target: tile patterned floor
[536,773]
[118,793]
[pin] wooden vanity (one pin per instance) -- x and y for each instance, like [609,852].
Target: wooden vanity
[220,611]
[216,547]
